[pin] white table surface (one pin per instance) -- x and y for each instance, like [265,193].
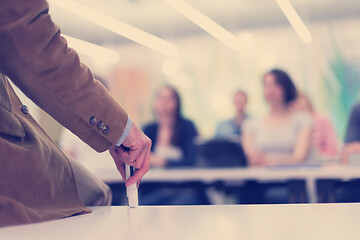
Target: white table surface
[278,222]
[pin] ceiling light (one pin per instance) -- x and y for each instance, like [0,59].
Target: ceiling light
[92,50]
[205,23]
[119,27]
[295,20]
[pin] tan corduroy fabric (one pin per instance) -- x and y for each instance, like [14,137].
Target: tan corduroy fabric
[36,179]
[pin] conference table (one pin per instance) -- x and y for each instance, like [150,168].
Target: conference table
[250,222]
[309,173]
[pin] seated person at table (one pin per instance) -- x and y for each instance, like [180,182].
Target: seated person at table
[352,138]
[283,136]
[232,128]
[324,136]
[173,146]
[172,135]
[349,191]
[324,142]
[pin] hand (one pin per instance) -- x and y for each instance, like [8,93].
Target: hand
[134,151]
[157,161]
[257,158]
[348,150]
[271,161]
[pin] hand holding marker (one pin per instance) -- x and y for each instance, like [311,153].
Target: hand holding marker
[134,152]
[131,191]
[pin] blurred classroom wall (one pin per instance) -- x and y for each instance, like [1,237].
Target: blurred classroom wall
[207,73]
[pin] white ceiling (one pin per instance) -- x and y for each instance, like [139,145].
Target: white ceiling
[155,17]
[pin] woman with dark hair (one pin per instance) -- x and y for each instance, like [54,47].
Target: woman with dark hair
[283,136]
[173,146]
[172,135]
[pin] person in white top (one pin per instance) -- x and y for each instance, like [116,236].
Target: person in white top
[281,137]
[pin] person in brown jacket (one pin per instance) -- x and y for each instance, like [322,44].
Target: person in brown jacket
[36,179]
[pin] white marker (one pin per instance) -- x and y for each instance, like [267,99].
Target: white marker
[131,191]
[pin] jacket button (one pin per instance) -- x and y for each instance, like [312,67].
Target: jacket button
[92,121]
[100,126]
[24,109]
[105,130]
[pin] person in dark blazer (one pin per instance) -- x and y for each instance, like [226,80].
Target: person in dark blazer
[172,135]
[352,137]
[173,146]
[37,181]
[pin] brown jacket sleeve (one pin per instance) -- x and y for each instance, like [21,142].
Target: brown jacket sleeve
[37,59]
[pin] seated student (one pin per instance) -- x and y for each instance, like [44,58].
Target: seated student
[352,138]
[324,136]
[172,135]
[283,136]
[173,146]
[324,142]
[349,191]
[232,128]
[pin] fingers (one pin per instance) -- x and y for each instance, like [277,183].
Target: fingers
[139,173]
[142,164]
[141,154]
[136,153]
[119,165]
[130,155]
[123,154]
[121,169]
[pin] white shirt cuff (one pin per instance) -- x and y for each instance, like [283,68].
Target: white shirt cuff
[125,133]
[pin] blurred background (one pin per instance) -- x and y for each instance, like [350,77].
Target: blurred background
[207,51]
